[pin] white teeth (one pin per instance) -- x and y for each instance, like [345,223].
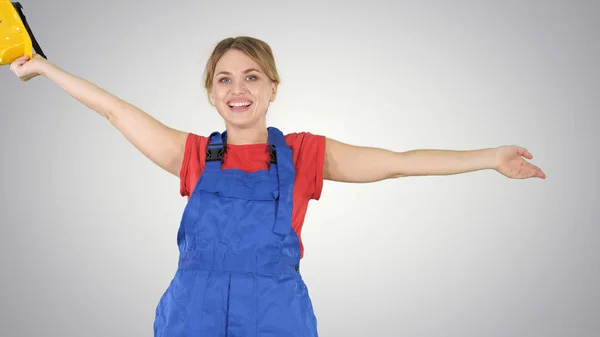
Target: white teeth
[239,104]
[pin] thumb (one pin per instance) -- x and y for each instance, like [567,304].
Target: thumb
[525,153]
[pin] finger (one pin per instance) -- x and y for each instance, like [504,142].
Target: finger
[534,171]
[14,66]
[525,153]
[541,174]
[21,60]
[20,63]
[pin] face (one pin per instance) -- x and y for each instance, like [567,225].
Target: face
[241,90]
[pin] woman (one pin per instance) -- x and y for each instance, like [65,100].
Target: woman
[248,189]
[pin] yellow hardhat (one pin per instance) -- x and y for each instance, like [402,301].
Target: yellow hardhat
[16,38]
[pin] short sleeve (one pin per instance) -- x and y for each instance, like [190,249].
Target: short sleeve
[309,158]
[192,164]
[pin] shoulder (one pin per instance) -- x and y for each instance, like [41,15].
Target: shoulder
[306,144]
[193,144]
[309,156]
[193,162]
[297,140]
[193,137]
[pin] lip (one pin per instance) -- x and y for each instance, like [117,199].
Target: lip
[235,109]
[239,100]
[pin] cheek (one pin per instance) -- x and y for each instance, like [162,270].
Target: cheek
[219,94]
[262,93]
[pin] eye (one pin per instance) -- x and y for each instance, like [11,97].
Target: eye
[222,79]
[252,76]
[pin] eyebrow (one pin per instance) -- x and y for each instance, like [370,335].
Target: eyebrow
[245,72]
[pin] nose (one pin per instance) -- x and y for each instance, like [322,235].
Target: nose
[238,87]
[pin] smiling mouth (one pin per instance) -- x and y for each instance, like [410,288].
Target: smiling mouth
[240,107]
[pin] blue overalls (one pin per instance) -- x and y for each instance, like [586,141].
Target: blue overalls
[238,272]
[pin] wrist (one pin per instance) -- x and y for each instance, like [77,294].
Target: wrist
[491,158]
[45,68]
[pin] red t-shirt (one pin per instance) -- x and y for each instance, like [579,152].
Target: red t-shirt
[308,155]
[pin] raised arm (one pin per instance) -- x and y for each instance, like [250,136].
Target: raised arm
[359,164]
[161,144]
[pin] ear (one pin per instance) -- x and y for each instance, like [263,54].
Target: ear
[273,91]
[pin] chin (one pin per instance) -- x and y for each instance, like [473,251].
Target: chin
[242,119]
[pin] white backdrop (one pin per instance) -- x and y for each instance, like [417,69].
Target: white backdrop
[88,225]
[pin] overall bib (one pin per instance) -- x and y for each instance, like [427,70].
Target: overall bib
[238,271]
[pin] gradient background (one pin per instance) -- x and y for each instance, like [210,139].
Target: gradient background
[88,225]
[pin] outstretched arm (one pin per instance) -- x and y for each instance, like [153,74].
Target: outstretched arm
[161,144]
[360,164]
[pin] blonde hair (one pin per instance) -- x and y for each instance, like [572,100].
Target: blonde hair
[256,49]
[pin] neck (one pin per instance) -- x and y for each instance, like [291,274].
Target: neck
[244,136]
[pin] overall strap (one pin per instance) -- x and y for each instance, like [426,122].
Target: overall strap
[215,151]
[286,175]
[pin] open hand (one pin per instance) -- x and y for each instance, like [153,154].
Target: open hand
[510,163]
